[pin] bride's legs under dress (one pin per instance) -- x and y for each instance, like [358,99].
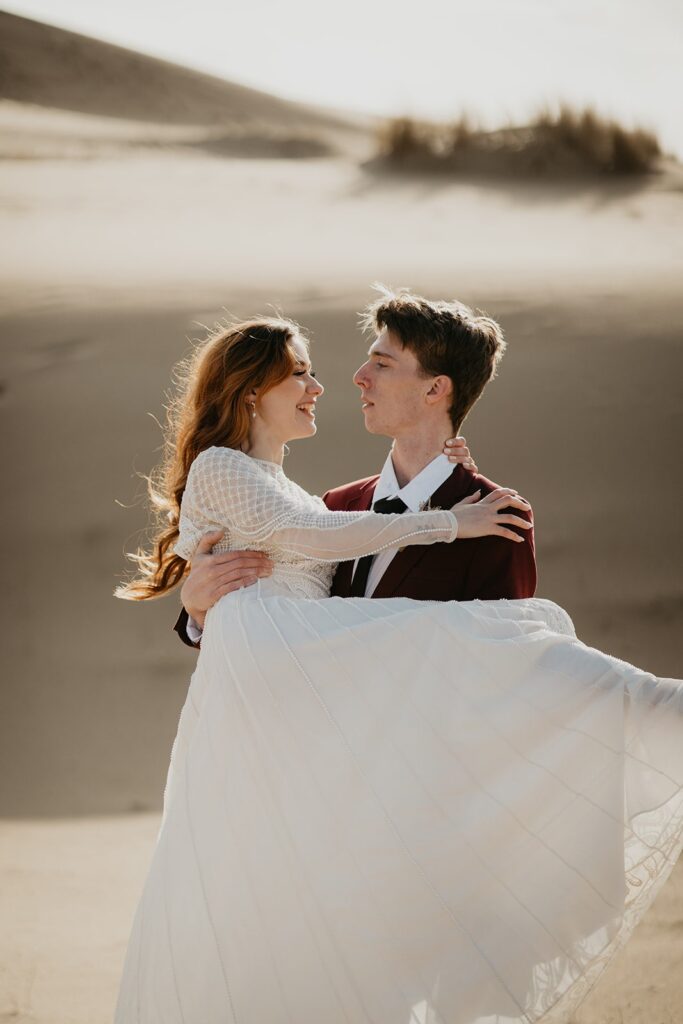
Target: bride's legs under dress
[402,813]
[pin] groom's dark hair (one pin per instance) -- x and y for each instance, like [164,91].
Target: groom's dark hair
[446,338]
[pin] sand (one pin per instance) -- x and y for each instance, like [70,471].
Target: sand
[120,240]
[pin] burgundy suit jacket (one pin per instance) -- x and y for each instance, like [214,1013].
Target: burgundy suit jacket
[484,567]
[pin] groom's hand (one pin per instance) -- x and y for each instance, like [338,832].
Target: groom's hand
[211,576]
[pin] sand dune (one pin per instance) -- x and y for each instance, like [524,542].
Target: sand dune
[29,132]
[51,67]
[48,67]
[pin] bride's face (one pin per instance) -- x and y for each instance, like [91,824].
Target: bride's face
[287,411]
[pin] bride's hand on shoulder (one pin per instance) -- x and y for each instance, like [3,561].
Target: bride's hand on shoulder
[492,516]
[455,448]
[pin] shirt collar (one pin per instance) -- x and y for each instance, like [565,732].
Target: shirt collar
[418,490]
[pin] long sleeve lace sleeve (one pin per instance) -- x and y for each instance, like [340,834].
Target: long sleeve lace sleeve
[226,488]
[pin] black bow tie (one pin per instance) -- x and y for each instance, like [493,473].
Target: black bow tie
[360,576]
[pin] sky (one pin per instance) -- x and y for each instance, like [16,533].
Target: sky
[497,60]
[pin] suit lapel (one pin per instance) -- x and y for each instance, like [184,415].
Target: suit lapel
[405,560]
[363,500]
[360,502]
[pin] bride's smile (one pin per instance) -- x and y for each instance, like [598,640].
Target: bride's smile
[285,411]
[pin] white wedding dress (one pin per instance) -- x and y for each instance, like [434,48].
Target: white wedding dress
[392,811]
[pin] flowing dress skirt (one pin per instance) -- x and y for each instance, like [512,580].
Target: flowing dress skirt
[402,812]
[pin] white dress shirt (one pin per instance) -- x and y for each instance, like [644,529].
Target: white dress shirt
[413,495]
[193,630]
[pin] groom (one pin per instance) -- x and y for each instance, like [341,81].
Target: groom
[428,365]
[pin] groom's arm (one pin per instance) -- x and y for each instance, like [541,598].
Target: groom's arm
[211,576]
[190,635]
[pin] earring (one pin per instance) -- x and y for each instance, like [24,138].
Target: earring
[253,409]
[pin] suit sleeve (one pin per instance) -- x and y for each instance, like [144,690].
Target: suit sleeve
[501,568]
[181,629]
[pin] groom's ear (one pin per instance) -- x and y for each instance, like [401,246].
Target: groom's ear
[441,387]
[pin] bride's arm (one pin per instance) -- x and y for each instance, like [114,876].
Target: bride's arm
[227,488]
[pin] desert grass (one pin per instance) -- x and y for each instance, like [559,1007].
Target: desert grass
[565,141]
[605,144]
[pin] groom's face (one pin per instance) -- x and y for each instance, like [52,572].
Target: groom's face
[392,386]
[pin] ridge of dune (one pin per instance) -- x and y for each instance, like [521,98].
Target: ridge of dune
[51,67]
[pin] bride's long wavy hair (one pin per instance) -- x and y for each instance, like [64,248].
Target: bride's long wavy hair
[208,407]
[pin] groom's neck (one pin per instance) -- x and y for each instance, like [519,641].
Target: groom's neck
[412,452]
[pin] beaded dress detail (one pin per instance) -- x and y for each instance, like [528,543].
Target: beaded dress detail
[263,510]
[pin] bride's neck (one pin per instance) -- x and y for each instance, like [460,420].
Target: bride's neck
[263,447]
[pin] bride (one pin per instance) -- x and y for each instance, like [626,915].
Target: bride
[379,811]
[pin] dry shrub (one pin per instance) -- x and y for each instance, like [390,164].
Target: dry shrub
[402,138]
[461,134]
[405,138]
[568,141]
[604,144]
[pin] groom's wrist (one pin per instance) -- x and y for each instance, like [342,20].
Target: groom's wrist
[194,630]
[196,617]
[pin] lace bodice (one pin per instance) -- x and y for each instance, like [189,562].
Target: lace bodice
[260,508]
